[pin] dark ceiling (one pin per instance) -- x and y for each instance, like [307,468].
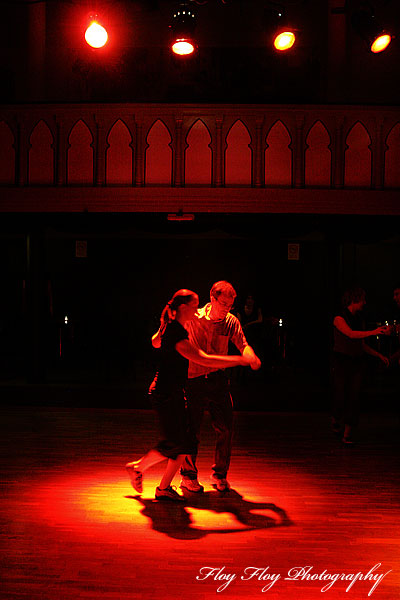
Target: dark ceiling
[44,56]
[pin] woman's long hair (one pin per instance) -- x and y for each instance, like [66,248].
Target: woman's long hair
[182,296]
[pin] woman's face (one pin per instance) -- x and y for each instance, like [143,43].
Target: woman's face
[187,311]
[360,304]
[249,300]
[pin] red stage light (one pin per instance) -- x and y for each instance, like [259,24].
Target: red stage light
[370,30]
[96,35]
[381,43]
[284,40]
[182,30]
[183,47]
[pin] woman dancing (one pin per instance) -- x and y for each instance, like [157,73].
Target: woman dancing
[167,394]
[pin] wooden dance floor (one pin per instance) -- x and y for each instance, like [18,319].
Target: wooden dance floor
[305,514]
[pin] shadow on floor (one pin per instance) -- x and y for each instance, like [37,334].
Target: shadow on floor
[174,520]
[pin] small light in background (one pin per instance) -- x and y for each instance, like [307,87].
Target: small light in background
[66,319]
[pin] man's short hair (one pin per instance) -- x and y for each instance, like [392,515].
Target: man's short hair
[354,294]
[222,287]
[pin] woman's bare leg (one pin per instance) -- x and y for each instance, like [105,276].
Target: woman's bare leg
[136,468]
[172,466]
[152,457]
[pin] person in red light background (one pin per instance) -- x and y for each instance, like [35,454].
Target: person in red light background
[349,350]
[395,328]
[167,393]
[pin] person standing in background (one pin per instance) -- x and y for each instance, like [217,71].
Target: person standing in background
[348,365]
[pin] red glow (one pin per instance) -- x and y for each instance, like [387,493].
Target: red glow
[381,43]
[182,47]
[96,36]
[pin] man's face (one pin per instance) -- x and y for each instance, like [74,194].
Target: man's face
[221,306]
[396,296]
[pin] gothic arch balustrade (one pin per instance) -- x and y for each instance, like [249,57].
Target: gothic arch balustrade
[171,147]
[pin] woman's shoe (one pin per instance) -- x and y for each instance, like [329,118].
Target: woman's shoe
[136,477]
[168,494]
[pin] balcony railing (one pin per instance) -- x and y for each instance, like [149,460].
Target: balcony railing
[251,153]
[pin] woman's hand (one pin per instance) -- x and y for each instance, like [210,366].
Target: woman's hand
[383,330]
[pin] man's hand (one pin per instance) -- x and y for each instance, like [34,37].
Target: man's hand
[255,363]
[253,360]
[384,359]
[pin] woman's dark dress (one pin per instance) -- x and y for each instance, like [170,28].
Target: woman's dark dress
[168,398]
[348,369]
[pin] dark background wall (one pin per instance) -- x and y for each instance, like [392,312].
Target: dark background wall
[134,263]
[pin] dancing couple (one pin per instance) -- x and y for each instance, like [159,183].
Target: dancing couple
[193,353]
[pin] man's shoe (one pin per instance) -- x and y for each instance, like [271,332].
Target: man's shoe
[192,485]
[136,477]
[169,494]
[220,483]
[347,441]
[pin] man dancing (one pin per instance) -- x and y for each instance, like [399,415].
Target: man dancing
[211,330]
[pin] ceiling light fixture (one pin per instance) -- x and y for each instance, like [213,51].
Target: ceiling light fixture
[182,30]
[96,35]
[369,29]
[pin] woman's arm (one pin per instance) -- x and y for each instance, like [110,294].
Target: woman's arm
[373,352]
[156,339]
[342,326]
[185,348]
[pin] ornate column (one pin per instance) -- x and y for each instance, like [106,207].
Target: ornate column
[178,177]
[99,153]
[378,157]
[338,154]
[298,155]
[62,146]
[21,153]
[258,161]
[139,156]
[218,171]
